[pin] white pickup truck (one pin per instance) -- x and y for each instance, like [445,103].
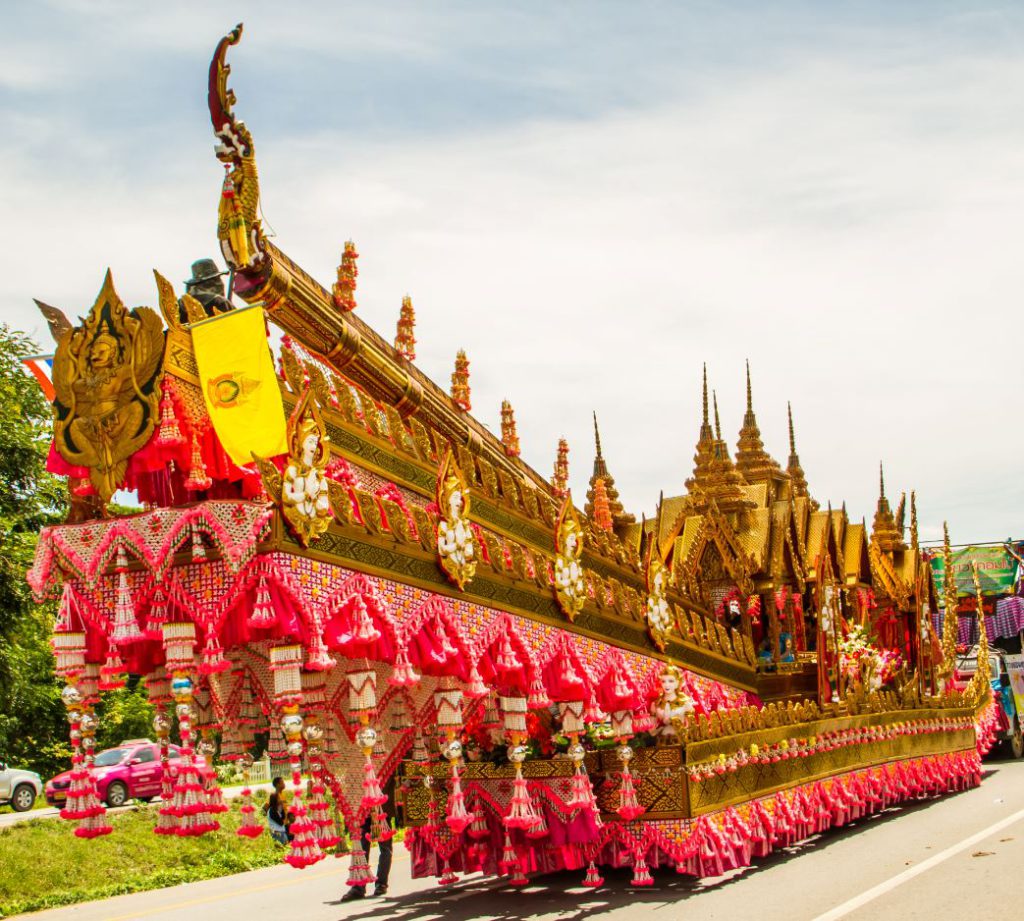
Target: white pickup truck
[19,789]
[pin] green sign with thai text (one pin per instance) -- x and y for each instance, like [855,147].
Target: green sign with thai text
[997,570]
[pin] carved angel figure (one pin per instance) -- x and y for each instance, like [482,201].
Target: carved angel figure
[456,548]
[673,708]
[659,613]
[106,376]
[303,489]
[570,588]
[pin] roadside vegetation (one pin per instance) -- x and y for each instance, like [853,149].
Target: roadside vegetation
[43,865]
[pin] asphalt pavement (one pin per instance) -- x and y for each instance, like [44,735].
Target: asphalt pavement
[957,856]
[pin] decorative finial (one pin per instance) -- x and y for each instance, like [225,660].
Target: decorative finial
[718,427]
[560,480]
[460,381]
[509,437]
[913,521]
[602,506]
[344,288]
[405,340]
[792,434]
[597,435]
[750,395]
[881,480]
[705,393]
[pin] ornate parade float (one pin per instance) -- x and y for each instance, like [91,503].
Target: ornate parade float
[335,556]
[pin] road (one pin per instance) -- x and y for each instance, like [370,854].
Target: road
[51,812]
[955,857]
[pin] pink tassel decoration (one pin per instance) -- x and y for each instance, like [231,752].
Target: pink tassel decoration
[593,879]
[319,659]
[249,827]
[157,611]
[187,810]
[169,435]
[83,803]
[213,661]
[365,632]
[126,627]
[458,818]
[447,876]
[629,807]
[641,873]
[372,793]
[380,826]
[478,830]
[522,813]
[112,674]
[359,869]
[509,857]
[403,676]
[263,616]
[476,688]
[198,480]
[538,699]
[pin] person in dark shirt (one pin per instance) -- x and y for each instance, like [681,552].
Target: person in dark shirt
[277,814]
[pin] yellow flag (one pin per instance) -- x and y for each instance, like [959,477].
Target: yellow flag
[236,373]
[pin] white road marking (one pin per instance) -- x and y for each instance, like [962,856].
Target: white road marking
[869,895]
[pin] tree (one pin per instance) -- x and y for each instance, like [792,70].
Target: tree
[33,731]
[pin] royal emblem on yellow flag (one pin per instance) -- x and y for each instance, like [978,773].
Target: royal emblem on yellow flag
[236,372]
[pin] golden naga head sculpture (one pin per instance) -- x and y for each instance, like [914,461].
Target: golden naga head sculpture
[106,375]
[570,586]
[456,547]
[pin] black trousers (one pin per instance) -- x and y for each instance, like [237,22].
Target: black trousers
[383,856]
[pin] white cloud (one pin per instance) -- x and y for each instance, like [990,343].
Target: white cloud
[848,221]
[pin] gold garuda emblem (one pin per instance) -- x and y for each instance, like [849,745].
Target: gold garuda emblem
[303,490]
[106,375]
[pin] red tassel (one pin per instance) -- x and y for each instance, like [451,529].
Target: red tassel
[458,819]
[641,873]
[593,879]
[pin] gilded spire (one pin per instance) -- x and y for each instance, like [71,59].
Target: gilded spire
[883,528]
[509,436]
[793,467]
[752,460]
[913,523]
[950,622]
[344,290]
[600,467]
[705,445]
[602,512]
[560,480]
[719,479]
[602,480]
[460,382]
[405,338]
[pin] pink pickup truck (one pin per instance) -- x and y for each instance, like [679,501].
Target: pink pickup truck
[130,771]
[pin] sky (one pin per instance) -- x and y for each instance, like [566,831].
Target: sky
[593,199]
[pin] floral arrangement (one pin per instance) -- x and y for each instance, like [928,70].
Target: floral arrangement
[863,661]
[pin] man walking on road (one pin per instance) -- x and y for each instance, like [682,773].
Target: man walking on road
[384,849]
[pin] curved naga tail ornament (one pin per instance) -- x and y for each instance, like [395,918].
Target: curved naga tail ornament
[238,228]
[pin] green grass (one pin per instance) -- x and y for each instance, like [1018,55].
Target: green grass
[43,864]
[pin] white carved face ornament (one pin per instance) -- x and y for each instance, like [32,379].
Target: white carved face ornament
[669,684]
[455,503]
